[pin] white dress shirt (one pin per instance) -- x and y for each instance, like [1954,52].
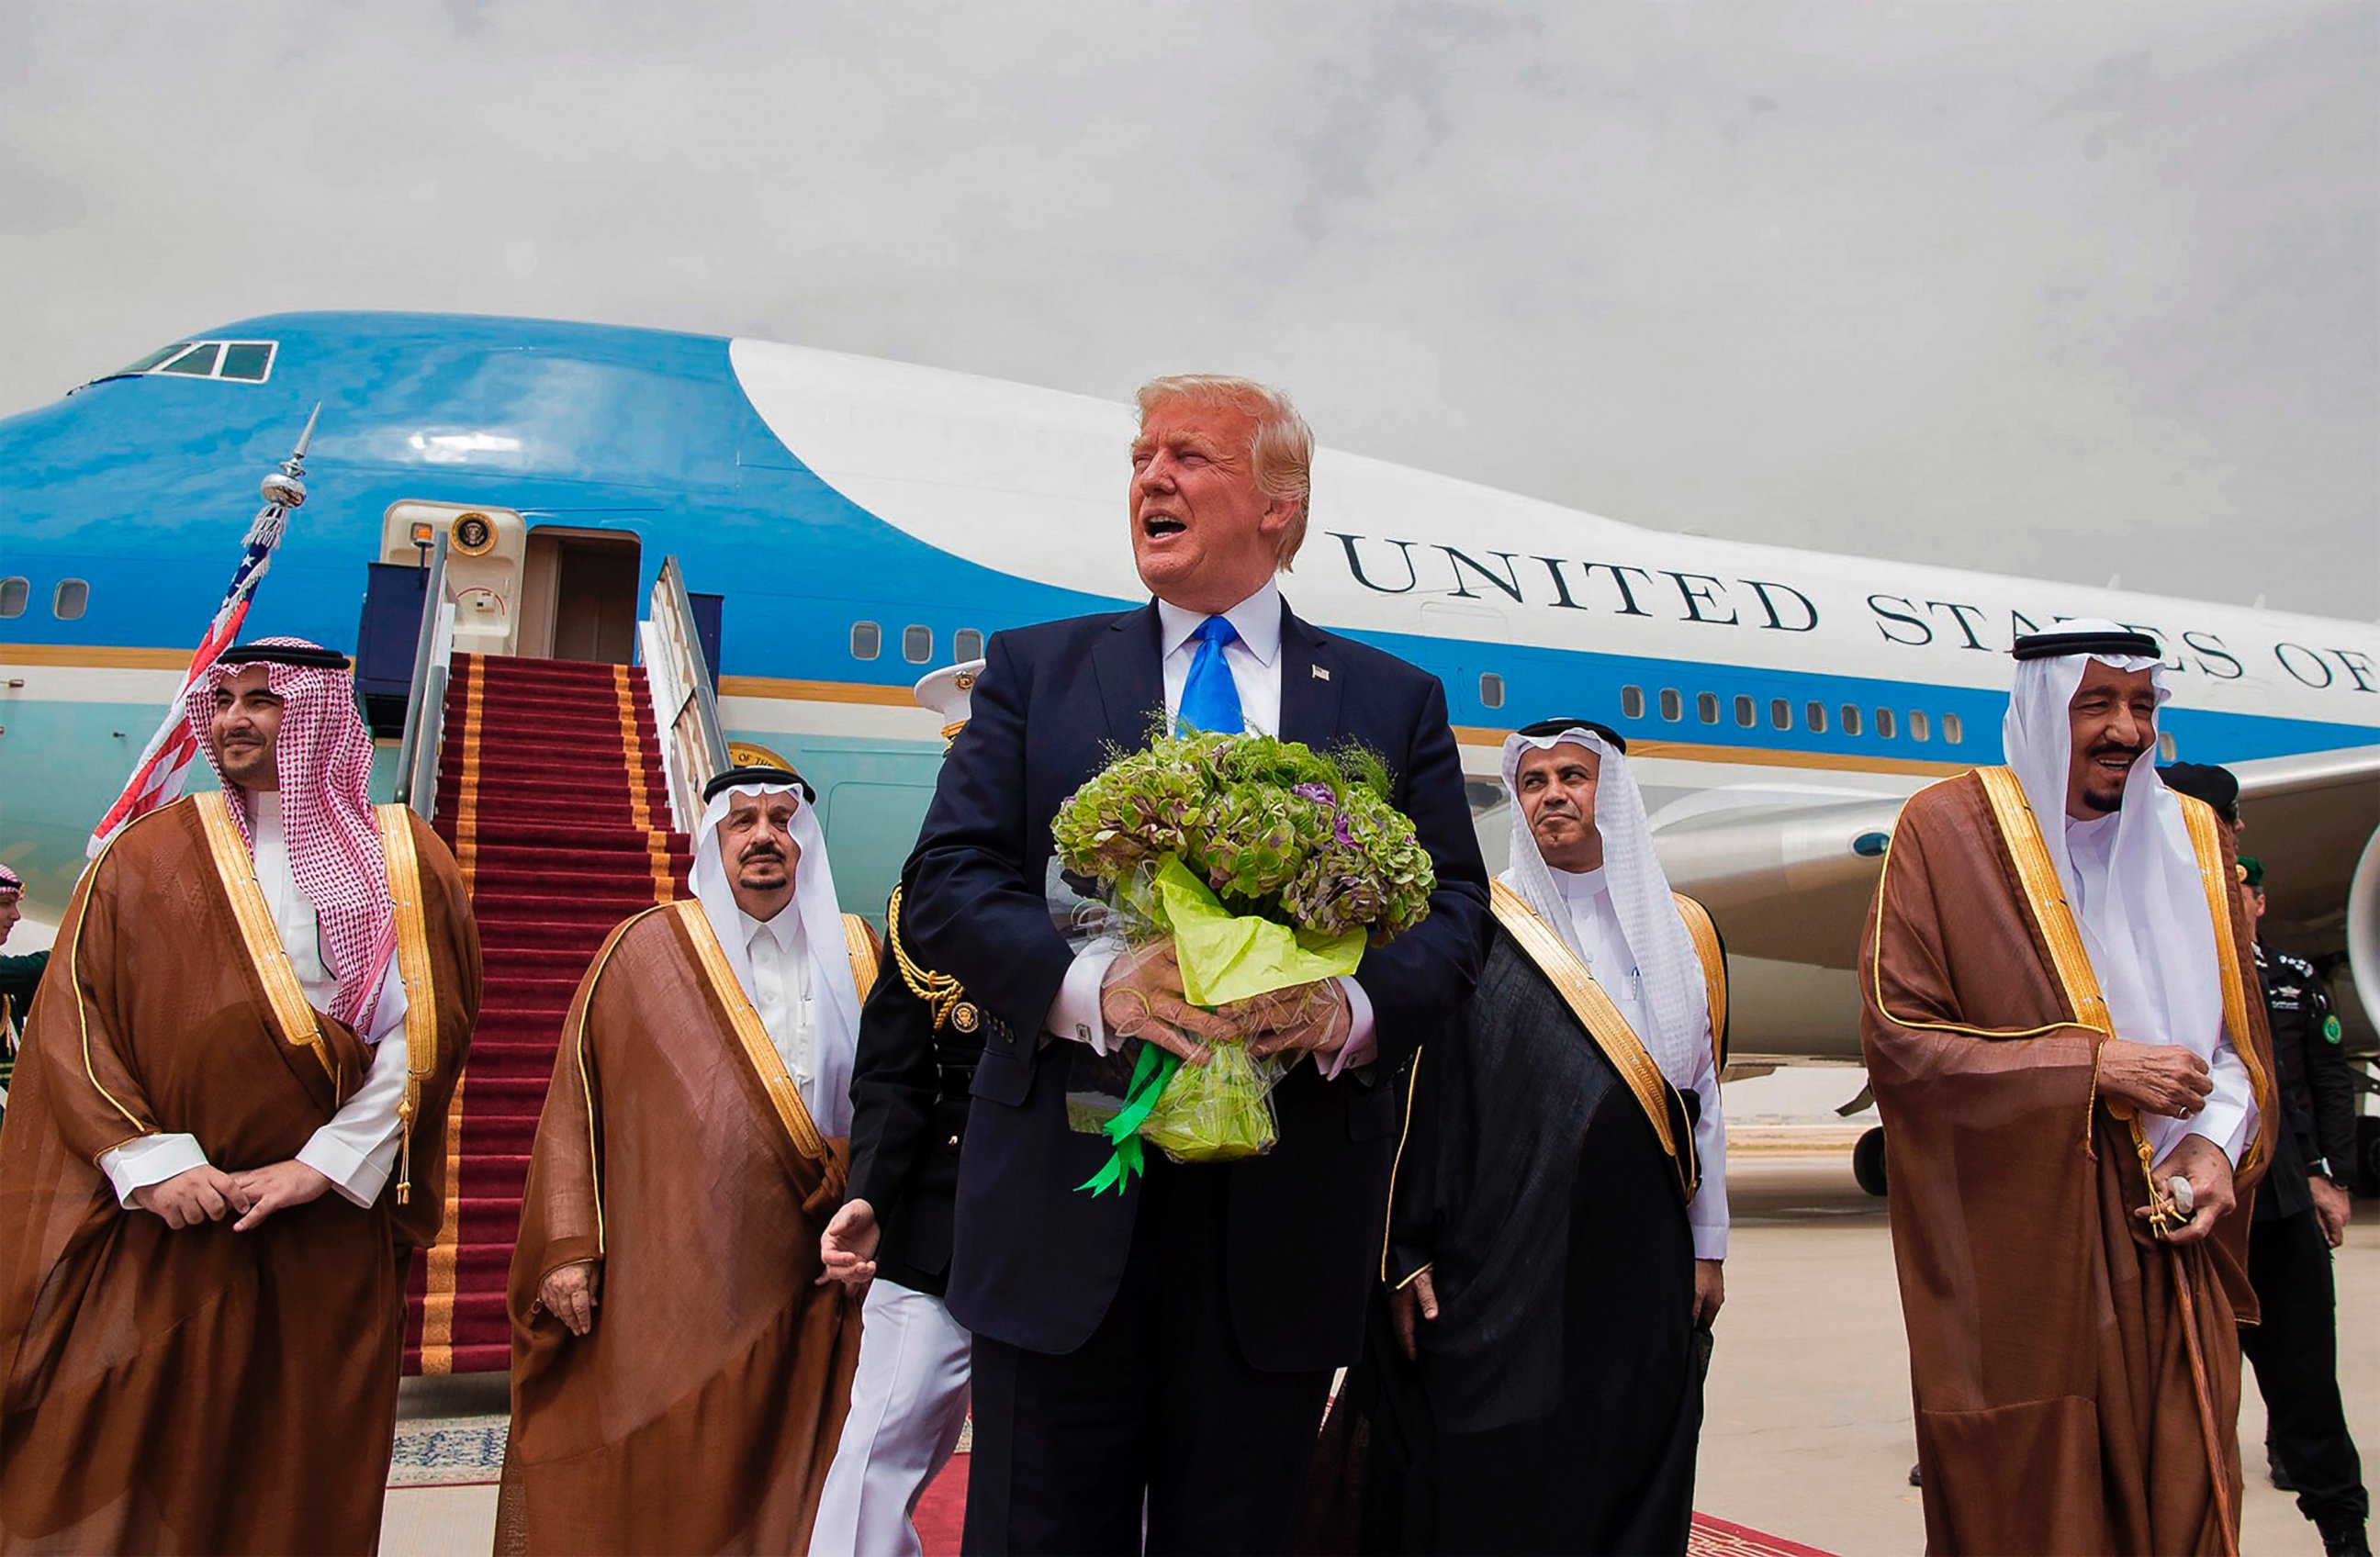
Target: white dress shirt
[783,993]
[1608,960]
[1253,659]
[357,1148]
[2229,1115]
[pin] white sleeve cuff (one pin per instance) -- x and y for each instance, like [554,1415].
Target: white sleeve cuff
[357,1148]
[2229,1116]
[152,1159]
[1706,1216]
[1363,1035]
[1076,1013]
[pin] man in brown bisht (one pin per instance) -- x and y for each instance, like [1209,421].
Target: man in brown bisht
[680,1372]
[2074,1075]
[226,1132]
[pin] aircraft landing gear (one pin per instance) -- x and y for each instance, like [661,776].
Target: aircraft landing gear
[1868,1161]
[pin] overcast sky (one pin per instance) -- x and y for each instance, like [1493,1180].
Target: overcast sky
[2068,288]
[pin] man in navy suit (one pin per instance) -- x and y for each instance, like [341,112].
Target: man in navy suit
[1164,1354]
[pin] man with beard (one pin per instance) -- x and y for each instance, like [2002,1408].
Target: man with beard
[679,1373]
[1561,1208]
[2061,1024]
[228,1128]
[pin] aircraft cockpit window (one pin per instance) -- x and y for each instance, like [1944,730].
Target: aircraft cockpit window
[199,362]
[866,640]
[1631,702]
[916,643]
[1673,707]
[1706,707]
[239,362]
[1491,690]
[153,359]
[72,599]
[1815,715]
[1952,730]
[1884,723]
[1918,730]
[1781,713]
[1850,720]
[1745,714]
[247,361]
[14,594]
[967,644]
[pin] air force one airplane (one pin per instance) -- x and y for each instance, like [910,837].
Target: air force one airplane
[865,521]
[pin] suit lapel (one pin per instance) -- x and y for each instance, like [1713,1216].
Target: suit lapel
[1132,679]
[1310,683]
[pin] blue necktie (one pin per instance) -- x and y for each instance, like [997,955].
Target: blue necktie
[1211,700]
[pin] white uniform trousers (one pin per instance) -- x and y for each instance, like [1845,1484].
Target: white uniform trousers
[908,1401]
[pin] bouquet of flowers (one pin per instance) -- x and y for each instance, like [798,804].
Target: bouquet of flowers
[1269,865]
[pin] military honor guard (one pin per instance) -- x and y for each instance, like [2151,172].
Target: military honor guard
[227,1131]
[2069,1054]
[680,1372]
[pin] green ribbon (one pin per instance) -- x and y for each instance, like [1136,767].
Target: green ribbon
[1150,1073]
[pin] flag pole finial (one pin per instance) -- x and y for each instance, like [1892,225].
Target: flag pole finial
[285,487]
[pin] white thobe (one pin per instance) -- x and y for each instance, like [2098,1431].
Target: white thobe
[1254,658]
[2229,1117]
[1588,898]
[357,1148]
[783,992]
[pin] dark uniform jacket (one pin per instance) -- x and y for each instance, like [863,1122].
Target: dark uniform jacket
[919,1037]
[2315,1089]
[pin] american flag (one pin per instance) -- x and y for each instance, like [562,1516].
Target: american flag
[165,761]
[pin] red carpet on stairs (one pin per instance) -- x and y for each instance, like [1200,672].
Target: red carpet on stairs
[549,792]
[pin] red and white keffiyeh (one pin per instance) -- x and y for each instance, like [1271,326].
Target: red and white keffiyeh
[324,753]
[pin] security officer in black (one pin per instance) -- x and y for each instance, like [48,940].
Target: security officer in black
[920,1039]
[2300,1218]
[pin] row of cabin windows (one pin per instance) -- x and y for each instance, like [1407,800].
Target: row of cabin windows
[1814,717]
[917,643]
[68,601]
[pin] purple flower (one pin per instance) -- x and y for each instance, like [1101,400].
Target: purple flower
[1319,793]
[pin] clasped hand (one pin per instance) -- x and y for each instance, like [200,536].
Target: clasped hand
[2203,1162]
[1142,997]
[206,1193]
[2157,1077]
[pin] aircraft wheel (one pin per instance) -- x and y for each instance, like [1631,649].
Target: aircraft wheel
[1868,1161]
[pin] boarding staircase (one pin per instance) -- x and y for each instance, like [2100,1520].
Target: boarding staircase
[551,782]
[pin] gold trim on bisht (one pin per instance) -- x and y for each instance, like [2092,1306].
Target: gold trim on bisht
[2207,842]
[1602,1020]
[792,1112]
[1713,956]
[236,868]
[407,892]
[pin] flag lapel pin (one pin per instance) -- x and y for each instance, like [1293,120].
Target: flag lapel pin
[1320,674]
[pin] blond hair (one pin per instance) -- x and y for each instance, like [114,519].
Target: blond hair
[1280,455]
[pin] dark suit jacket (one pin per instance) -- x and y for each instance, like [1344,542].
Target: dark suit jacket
[908,1115]
[1035,1262]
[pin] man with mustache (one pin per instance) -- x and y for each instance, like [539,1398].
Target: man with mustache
[227,1132]
[1561,1207]
[20,977]
[679,1371]
[1150,1366]
[2069,1053]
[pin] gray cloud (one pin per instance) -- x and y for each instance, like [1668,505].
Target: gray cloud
[2071,289]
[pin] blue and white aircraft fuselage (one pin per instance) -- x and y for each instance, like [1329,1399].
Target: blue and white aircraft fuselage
[867,521]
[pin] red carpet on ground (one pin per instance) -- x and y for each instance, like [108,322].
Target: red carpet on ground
[942,1512]
[549,792]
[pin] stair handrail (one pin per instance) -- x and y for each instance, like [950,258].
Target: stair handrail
[425,695]
[685,706]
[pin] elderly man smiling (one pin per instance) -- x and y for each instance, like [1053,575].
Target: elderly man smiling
[2069,1054]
